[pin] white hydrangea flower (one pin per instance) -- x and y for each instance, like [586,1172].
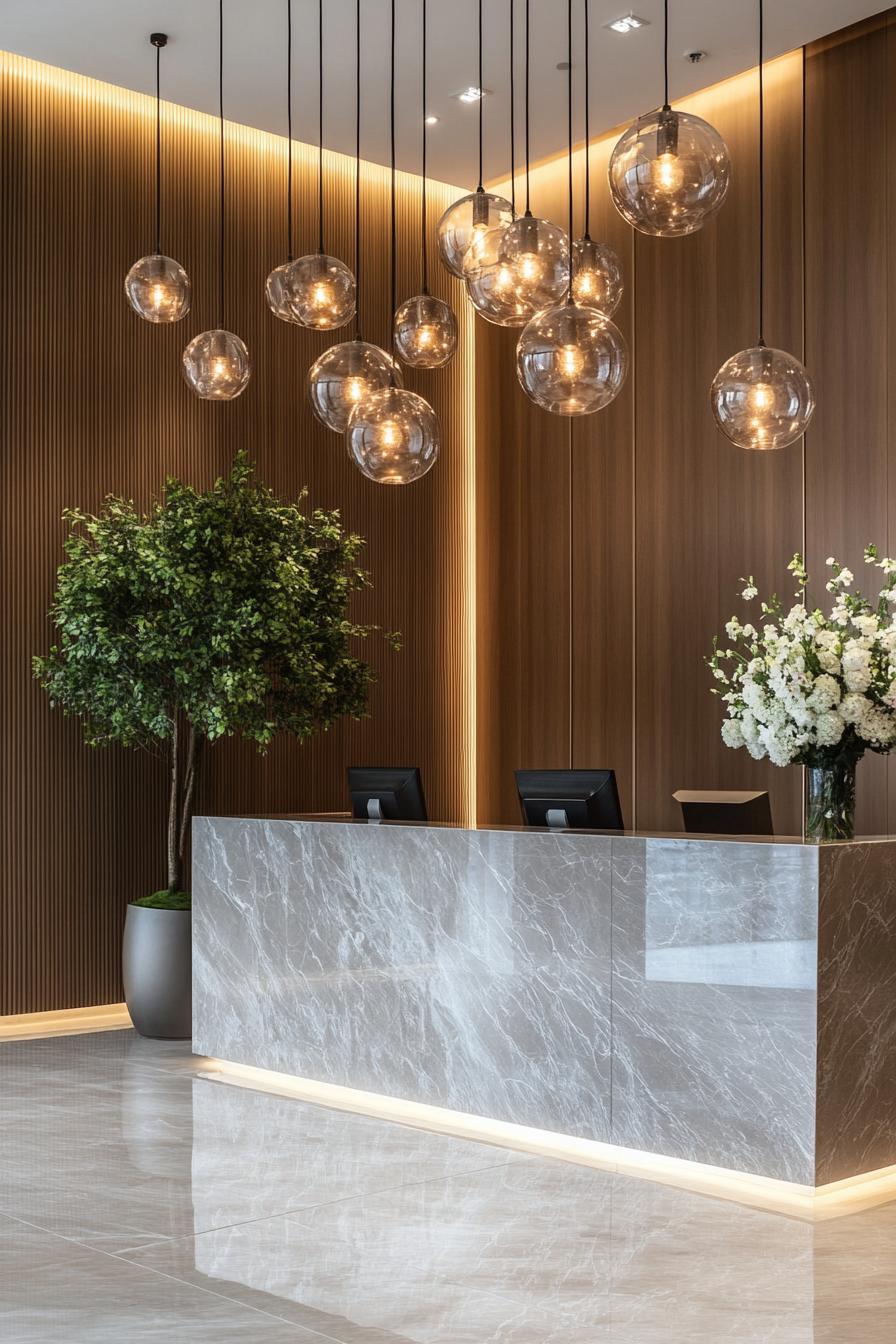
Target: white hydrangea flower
[829,729]
[732,733]
[750,591]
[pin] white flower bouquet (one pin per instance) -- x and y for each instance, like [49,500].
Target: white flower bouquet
[805,688]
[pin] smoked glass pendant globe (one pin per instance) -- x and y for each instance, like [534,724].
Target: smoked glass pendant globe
[320,291]
[491,284]
[216,365]
[158,289]
[537,253]
[669,173]
[762,398]
[277,294]
[425,331]
[596,276]
[346,375]
[466,223]
[393,436]
[571,360]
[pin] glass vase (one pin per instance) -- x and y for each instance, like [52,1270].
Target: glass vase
[830,802]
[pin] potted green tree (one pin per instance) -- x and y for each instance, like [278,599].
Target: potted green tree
[217,613]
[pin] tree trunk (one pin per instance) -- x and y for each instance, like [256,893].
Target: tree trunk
[173,800]
[189,791]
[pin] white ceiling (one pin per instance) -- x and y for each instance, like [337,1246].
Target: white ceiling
[108,39]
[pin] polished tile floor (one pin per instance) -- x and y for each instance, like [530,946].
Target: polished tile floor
[142,1201]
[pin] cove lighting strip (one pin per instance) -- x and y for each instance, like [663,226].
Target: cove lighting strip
[813,1204]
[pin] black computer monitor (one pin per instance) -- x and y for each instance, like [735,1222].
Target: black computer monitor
[725,811]
[585,799]
[386,793]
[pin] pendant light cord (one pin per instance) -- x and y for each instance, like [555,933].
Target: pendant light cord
[481,97]
[528,203]
[761,182]
[512,119]
[221,162]
[158,47]
[665,53]
[424,257]
[569,203]
[393,251]
[289,256]
[320,126]
[587,233]
[358,336]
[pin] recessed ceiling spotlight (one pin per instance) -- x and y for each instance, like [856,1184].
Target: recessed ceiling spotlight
[627,24]
[432,121]
[472,94]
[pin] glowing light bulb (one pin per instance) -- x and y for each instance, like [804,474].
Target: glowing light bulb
[530,268]
[158,296]
[572,361]
[355,389]
[761,397]
[584,286]
[425,337]
[390,434]
[667,173]
[158,289]
[219,367]
[504,280]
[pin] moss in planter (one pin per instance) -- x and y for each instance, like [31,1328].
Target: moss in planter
[166,900]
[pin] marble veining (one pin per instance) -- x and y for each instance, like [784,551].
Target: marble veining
[656,993]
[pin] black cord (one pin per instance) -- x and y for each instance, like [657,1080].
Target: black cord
[481,97]
[665,53]
[289,130]
[221,165]
[393,249]
[761,184]
[569,131]
[423,185]
[528,210]
[587,233]
[320,125]
[158,150]
[357,170]
[512,120]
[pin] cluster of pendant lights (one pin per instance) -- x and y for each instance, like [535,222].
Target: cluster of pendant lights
[669,173]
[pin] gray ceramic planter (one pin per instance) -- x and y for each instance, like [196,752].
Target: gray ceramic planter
[156,963]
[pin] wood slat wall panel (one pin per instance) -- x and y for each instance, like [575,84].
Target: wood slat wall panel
[95,403]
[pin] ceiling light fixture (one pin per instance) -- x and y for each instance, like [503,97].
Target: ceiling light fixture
[762,398]
[424,327]
[158,287]
[629,23]
[393,435]
[346,374]
[535,251]
[597,280]
[275,287]
[571,359]
[430,121]
[216,363]
[474,94]
[321,289]
[669,172]
[466,223]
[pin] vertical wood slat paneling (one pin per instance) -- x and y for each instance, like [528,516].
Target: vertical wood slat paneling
[95,403]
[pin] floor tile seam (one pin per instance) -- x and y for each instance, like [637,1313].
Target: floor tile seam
[300,1209]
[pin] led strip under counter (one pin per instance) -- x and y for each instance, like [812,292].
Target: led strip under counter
[812,1204]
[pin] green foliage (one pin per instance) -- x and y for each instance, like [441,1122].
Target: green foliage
[166,900]
[228,606]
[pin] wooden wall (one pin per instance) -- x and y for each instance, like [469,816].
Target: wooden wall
[620,539]
[94,403]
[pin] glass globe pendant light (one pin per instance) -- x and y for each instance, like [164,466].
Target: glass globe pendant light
[158,287]
[762,398]
[571,359]
[467,223]
[534,252]
[424,327]
[597,280]
[348,373]
[490,281]
[275,289]
[669,172]
[393,435]
[320,289]
[216,363]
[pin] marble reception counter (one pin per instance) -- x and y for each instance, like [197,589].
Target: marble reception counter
[726,1002]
